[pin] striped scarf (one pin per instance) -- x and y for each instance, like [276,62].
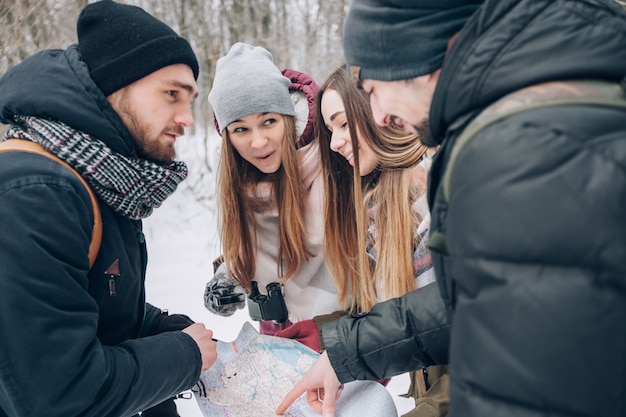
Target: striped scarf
[132,187]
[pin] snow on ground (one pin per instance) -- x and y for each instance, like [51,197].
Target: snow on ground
[182,243]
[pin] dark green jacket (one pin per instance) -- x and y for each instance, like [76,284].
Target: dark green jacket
[535,279]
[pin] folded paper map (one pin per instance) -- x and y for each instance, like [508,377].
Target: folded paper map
[253,374]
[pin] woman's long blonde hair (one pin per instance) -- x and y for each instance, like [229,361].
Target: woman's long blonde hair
[237,194]
[389,191]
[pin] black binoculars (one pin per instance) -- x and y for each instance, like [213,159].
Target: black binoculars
[268,307]
[223,295]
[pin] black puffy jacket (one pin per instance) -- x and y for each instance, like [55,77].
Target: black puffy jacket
[69,346]
[535,280]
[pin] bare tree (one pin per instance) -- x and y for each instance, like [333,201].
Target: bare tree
[28,26]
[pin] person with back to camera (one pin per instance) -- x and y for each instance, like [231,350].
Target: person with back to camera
[368,174]
[80,340]
[526,231]
[270,194]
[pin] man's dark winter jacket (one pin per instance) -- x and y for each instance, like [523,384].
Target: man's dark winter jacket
[535,225]
[70,345]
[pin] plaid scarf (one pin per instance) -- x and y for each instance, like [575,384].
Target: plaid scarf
[132,187]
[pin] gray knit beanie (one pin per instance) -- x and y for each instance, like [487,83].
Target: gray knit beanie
[391,40]
[247,82]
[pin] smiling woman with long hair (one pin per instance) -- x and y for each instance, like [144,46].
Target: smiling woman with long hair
[270,194]
[377,213]
[375,206]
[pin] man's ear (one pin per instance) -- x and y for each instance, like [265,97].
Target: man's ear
[451,42]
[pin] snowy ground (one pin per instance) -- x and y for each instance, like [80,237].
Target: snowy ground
[182,243]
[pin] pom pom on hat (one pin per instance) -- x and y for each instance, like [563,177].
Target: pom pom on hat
[121,44]
[392,40]
[247,82]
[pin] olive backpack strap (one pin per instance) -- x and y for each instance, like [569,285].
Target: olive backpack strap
[18,145]
[580,92]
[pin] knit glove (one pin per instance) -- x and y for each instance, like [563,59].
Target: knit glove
[305,332]
[165,322]
[171,322]
[222,295]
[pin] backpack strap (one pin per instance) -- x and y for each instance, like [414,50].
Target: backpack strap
[596,93]
[566,93]
[18,145]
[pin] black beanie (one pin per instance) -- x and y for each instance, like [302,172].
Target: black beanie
[392,40]
[122,44]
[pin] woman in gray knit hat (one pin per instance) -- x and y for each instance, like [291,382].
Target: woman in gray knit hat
[271,198]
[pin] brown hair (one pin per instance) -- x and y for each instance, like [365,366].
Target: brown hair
[389,189]
[237,194]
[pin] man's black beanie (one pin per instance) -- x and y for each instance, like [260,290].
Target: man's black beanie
[391,40]
[121,44]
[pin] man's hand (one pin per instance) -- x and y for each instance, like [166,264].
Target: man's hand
[321,385]
[205,342]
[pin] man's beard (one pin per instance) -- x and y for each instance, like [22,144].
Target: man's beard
[148,148]
[152,149]
[423,131]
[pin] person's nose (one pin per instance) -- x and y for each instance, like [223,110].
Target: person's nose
[380,118]
[397,121]
[259,140]
[337,141]
[184,116]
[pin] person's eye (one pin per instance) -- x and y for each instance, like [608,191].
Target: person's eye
[359,85]
[172,93]
[269,121]
[239,129]
[344,125]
